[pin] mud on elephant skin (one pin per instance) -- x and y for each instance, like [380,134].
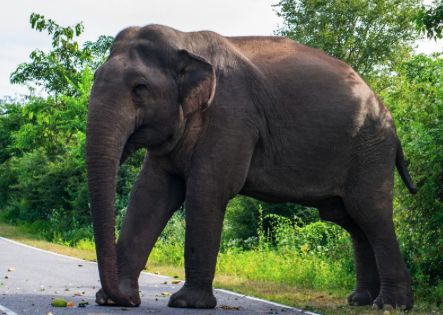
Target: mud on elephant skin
[259,116]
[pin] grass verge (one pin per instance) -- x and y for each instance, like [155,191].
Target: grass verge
[229,276]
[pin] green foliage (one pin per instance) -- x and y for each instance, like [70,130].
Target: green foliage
[170,246]
[242,217]
[430,20]
[316,255]
[11,119]
[60,71]
[415,96]
[367,34]
[42,139]
[43,167]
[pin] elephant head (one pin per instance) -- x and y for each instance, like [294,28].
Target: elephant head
[141,97]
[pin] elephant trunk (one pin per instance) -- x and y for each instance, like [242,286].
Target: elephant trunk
[107,132]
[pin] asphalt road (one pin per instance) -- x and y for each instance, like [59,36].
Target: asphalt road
[30,278]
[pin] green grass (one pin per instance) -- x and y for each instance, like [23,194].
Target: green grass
[298,279]
[285,267]
[26,236]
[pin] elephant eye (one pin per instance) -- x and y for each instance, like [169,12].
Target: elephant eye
[140,90]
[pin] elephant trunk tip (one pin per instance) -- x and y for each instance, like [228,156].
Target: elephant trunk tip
[110,286]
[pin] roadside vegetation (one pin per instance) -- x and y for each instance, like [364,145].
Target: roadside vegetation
[277,251]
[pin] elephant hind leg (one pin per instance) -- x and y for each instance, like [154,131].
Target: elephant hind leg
[368,282]
[369,204]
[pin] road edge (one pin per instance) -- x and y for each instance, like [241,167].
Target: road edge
[9,312]
[6,311]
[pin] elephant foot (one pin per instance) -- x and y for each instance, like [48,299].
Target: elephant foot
[389,299]
[101,298]
[193,298]
[360,297]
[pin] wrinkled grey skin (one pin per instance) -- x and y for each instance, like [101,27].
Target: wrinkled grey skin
[220,116]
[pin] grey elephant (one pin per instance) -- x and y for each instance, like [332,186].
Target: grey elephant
[259,116]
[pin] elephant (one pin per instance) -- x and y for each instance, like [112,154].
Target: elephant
[261,116]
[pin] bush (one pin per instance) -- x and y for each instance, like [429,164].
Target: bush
[416,100]
[243,216]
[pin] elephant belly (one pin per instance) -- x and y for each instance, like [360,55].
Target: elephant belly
[289,185]
[305,175]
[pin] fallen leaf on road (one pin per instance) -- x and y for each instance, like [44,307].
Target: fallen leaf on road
[229,308]
[50,313]
[70,304]
[78,293]
[59,303]
[166,293]
[11,269]
[176,281]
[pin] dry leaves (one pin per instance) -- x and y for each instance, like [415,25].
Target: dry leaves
[229,308]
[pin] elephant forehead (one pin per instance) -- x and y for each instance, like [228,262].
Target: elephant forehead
[113,69]
[153,54]
[159,34]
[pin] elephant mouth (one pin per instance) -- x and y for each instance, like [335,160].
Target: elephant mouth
[168,144]
[140,139]
[163,147]
[158,148]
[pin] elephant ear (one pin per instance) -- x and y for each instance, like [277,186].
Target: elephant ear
[196,82]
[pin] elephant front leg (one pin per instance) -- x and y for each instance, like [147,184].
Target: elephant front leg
[221,164]
[204,219]
[155,197]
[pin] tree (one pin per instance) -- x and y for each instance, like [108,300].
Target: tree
[367,34]
[11,119]
[60,70]
[42,139]
[430,20]
[415,97]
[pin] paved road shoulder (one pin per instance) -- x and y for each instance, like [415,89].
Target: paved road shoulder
[30,278]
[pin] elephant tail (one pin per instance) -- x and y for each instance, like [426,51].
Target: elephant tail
[403,170]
